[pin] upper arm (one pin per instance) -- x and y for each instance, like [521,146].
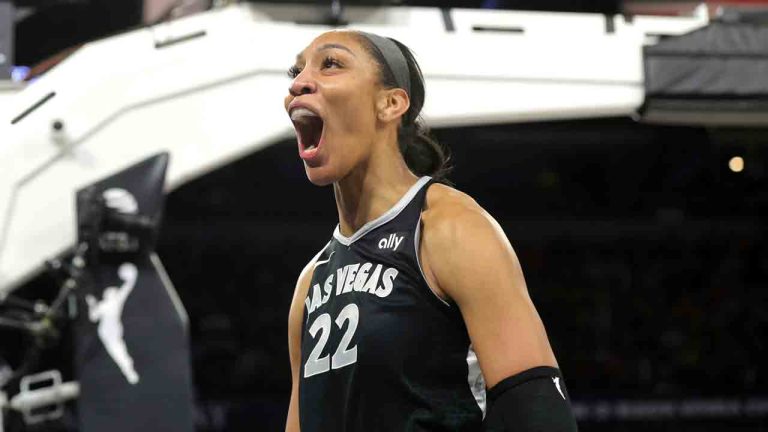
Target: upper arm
[295,315]
[474,264]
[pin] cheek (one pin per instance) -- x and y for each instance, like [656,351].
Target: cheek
[352,110]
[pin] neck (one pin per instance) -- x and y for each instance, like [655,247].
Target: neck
[372,188]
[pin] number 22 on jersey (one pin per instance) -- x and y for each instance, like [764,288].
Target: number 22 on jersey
[344,356]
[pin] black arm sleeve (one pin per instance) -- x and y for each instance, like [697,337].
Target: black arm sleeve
[534,400]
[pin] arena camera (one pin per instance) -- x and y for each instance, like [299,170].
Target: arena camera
[110,223]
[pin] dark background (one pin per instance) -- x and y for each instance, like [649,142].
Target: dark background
[642,250]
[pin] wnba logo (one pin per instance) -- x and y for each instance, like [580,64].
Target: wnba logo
[107,313]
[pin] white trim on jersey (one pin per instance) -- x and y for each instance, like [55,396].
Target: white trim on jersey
[386,217]
[325,261]
[315,263]
[416,240]
[476,380]
[317,255]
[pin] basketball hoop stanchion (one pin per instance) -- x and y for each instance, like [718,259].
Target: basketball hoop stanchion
[131,344]
[131,352]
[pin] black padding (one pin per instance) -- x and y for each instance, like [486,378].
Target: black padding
[534,400]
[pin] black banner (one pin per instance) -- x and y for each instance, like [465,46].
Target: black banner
[713,76]
[132,354]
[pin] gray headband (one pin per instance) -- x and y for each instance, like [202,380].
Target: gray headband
[393,57]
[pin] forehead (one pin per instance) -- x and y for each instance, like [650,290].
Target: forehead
[345,40]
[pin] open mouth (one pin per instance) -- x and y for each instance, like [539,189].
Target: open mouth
[309,128]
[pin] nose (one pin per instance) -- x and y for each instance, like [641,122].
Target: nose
[301,86]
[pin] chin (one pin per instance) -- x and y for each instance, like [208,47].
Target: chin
[320,176]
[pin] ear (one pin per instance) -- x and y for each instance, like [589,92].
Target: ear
[392,104]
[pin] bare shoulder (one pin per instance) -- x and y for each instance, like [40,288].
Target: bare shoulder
[461,242]
[470,261]
[449,213]
[443,201]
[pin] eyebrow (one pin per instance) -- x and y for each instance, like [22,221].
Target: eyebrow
[327,47]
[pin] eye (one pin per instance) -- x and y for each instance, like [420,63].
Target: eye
[293,71]
[330,62]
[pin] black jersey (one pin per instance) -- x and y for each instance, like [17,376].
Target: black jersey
[380,351]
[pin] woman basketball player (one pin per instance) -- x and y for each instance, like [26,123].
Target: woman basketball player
[418,304]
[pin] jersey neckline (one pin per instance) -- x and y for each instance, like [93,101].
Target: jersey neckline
[384,218]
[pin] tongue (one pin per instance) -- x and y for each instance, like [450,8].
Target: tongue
[309,130]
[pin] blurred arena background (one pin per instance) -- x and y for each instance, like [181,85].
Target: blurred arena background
[636,203]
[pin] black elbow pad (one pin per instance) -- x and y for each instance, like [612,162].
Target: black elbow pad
[534,400]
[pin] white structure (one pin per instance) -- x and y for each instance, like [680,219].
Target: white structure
[217,93]
[8,91]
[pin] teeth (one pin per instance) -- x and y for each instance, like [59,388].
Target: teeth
[301,113]
[312,147]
